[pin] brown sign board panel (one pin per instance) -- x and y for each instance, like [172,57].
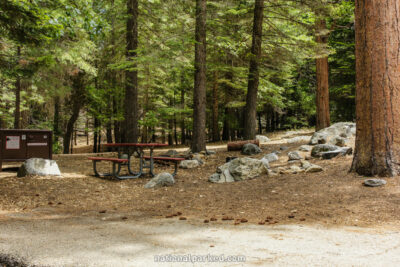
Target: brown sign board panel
[20,145]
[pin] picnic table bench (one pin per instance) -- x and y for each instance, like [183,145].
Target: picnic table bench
[117,163]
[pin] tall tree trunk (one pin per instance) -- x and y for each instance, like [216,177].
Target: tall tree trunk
[131,87]
[183,134]
[377,150]
[199,96]
[17,112]
[215,127]
[96,126]
[56,119]
[77,99]
[322,71]
[252,88]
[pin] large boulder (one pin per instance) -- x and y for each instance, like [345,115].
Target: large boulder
[246,168]
[162,179]
[340,129]
[237,170]
[189,164]
[250,149]
[262,138]
[37,166]
[318,149]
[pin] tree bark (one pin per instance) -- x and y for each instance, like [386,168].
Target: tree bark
[377,150]
[131,87]
[77,99]
[17,112]
[322,72]
[56,119]
[250,123]
[199,96]
[215,127]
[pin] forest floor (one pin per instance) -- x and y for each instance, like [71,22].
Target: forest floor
[332,197]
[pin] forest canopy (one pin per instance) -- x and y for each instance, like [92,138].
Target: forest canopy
[66,66]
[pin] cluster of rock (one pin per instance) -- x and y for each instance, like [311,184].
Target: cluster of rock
[304,166]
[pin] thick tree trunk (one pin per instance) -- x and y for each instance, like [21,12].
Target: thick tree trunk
[96,126]
[377,150]
[77,99]
[322,71]
[250,124]
[131,87]
[199,96]
[215,127]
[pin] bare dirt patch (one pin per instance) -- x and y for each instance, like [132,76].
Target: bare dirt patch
[332,197]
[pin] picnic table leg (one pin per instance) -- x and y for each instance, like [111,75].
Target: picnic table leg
[116,173]
[140,164]
[176,169]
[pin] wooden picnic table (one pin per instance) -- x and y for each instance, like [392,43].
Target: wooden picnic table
[130,149]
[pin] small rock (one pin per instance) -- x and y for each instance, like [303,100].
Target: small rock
[262,138]
[291,216]
[243,220]
[206,221]
[271,157]
[199,158]
[261,223]
[295,169]
[162,179]
[294,155]
[102,211]
[211,152]
[283,148]
[189,164]
[374,182]
[213,219]
[227,218]
[305,164]
[169,216]
[182,218]
[314,168]
[265,162]
[305,148]
[251,149]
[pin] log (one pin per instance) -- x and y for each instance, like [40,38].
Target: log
[238,145]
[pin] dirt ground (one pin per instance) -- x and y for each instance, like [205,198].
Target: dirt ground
[332,197]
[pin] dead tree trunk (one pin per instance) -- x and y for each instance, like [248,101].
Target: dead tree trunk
[377,150]
[199,96]
[252,88]
[322,71]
